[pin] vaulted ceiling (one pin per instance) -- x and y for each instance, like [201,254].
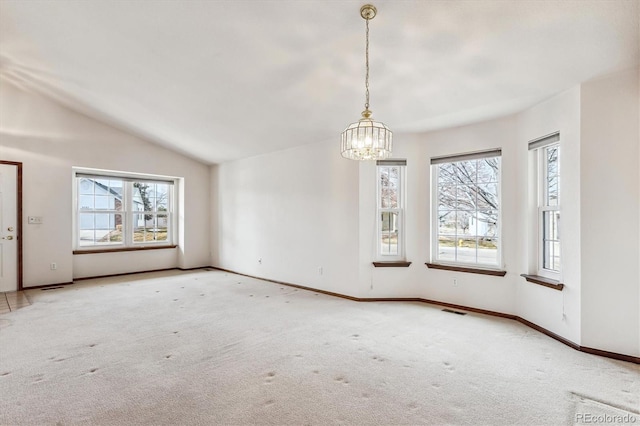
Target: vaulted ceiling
[222,80]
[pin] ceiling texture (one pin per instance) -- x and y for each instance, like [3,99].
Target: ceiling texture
[223,80]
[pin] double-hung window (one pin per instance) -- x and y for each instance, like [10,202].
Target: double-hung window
[118,211]
[547,156]
[390,209]
[466,209]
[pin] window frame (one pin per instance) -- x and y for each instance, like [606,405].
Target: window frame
[436,162]
[127,210]
[399,211]
[542,185]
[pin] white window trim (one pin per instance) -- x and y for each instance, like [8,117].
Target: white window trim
[400,211]
[542,188]
[434,211]
[128,243]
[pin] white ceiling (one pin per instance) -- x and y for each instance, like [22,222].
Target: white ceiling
[221,80]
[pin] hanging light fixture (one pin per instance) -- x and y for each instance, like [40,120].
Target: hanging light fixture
[366,139]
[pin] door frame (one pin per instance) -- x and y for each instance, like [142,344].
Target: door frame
[18,216]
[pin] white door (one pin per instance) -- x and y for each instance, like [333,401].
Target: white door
[8,228]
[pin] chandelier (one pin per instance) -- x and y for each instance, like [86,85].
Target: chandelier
[366,139]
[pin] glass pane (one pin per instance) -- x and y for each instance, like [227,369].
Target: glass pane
[389,234]
[86,232]
[139,228]
[465,172]
[162,197]
[466,197]
[553,157]
[488,223]
[162,205]
[466,250]
[466,224]
[550,225]
[389,186]
[105,202]
[487,196]
[447,222]
[150,227]
[446,174]
[552,162]
[384,187]
[447,197]
[115,228]
[162,221]
[86,202]
[488,251]
[99,228]
[446,248]
[86,186]
[555,257]
[551,242]
[552,190]
[488,170]
[142,196]
[102,221]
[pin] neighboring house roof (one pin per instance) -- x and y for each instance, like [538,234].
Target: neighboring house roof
[116,192]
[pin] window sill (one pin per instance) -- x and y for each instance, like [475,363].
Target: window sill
[547,282]
[494,272]
[394,264]
[115,250]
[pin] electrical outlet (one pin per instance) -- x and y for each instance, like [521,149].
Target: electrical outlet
[319,270]
[53,266]
[260,261]
[455,282]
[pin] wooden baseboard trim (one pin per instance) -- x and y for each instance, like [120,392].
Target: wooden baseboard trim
[469,309]
[548,333]
[599,352]
[118,275]
[122,274]
[328,293]
[607,354]
[142,272]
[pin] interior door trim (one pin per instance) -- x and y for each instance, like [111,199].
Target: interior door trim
[18,216]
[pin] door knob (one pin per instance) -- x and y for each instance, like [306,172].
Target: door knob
[10,229]
[10,237]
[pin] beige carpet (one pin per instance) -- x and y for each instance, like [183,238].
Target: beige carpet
[208,347]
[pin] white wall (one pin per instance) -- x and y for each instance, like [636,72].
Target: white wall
[610,213]
[49,140]
[297,210]
[307,207]
[541,305]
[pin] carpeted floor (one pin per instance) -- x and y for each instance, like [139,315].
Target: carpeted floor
[207,347]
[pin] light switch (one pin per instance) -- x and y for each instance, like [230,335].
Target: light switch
[34,220]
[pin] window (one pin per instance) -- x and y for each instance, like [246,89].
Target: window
[390,209]
[120,211]
[466,209]
[547,153]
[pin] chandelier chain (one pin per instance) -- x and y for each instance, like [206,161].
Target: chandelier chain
[366,80]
